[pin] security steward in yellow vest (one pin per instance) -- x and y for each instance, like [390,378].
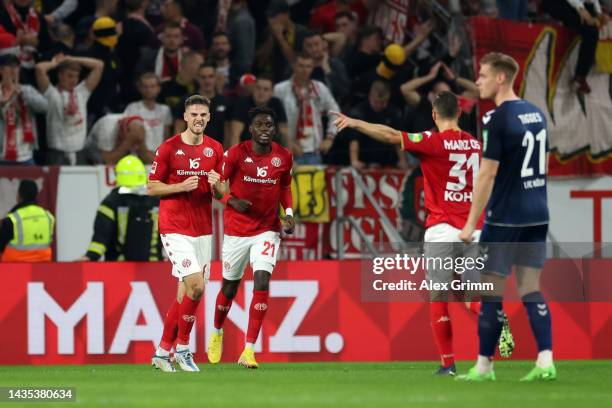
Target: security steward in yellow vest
[126,224]
[26,233]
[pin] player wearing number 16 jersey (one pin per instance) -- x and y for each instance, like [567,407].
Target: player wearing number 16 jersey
[450,159]
[258,172]
[512,186]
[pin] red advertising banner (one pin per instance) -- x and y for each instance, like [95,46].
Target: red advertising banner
[577,124]
[87,313]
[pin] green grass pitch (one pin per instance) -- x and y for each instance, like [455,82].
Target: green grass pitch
[580,384]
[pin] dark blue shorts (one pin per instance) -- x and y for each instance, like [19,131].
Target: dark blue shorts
[508,246]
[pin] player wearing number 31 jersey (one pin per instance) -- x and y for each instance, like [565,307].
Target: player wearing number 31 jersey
[258,172]
[450,159]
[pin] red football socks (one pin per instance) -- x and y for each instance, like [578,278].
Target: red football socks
[475,307]
[222,308]
[442,331]
[186,318]
[170,327]
[257,311]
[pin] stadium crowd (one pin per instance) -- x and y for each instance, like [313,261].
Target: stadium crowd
[92,81]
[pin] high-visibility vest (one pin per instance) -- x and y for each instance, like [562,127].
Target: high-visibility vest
[32,235]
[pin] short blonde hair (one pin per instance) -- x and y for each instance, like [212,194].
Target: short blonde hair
[502,63]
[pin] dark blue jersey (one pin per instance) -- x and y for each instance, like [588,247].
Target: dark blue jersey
[515,135]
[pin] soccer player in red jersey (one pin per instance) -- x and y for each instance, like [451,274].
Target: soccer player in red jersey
[258,172]
[185,173]
[449,161]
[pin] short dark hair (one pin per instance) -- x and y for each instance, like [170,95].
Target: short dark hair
[149,75]
[220,34]
[263,110]
[28,190]
[302,55]
[265,77]
[346,14]
[312,33]
[68,66]
[208,64]
[172,24]
[447,105]
[197,100]
[368,31]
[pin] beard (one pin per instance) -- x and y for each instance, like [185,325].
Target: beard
[197,130]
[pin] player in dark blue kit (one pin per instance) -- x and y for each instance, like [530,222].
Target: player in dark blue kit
[512,185]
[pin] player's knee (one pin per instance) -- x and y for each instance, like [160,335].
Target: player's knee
[230,288]
[261,280]
[195,290]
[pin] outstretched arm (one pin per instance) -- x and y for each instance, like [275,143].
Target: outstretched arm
[378,132]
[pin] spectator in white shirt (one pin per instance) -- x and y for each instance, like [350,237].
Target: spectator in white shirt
[18,103]
[116,135]
[306,101]
[67,113]
[156,115]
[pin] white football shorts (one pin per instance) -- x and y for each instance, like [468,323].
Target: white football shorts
[188,255]
[259,250]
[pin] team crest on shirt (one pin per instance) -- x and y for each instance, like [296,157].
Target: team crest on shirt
[276,161]
[186,263]
[208,152]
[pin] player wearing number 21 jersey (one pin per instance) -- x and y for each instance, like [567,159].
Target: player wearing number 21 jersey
[258,172]
[450,160]
[512,186]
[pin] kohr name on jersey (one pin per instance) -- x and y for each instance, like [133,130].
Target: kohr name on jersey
[457,196]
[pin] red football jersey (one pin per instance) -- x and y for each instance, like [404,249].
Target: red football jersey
[188,213]
[449,161]
[258,179]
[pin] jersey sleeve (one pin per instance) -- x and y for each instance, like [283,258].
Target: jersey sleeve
[422,142]
[161,166]
[228,164]
[491,142]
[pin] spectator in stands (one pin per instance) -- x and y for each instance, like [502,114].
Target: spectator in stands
[329,70]
[219,106]
[105,98]
[172,91]
[63,42]
[26,234]
[367,53]
[156,115]
[60,12]
[18,104]
[106,8]
[116,135]
[422,102]
[283,39]
[585,17]
[19,18]
[136,34]
[125,227]
[365,151]
[84,36]
[262,97]
[219,57]
[242,35]
[306,102]
[172,11]
[323,16]
[165,60]
[346,24]
[67,112]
